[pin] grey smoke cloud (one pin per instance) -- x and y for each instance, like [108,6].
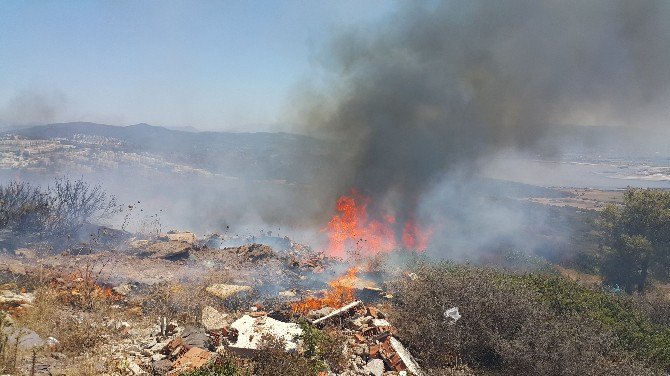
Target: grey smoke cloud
[28,107]
[444,84]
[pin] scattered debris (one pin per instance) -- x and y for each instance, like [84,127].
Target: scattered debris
[254,252]
[452,313]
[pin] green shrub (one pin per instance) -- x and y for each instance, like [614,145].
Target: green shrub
[515,324]
[619,314]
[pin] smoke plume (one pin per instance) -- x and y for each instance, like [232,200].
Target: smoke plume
[30,107]
[445,84]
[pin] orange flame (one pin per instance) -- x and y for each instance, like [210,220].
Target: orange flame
[341,292]
[353,227]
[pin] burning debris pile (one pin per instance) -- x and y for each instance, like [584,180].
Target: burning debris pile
[173,303]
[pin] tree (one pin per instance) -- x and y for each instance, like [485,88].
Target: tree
[635,238]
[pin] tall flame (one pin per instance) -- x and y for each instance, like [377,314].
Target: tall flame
[353,228]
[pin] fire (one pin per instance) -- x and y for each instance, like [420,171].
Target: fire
[354,227]
[341,292]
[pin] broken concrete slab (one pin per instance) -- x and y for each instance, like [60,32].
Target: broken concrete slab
[251,332]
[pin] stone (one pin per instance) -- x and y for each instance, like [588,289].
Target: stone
[184,236]
[213,319]
[162,366]
[148,343]
[223,291]
[170,250]
[375,367]
[157,357]
[123,289]
[136,369]
[27,339]
[196,337]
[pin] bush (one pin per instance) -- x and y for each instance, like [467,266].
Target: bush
[274,360]
[508,325]
[60,210]
[23,208]
[327,347]
[224,366]
[635,330]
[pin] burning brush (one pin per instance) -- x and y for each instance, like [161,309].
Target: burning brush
[354,228]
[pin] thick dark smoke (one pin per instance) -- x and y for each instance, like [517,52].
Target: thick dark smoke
[445,84]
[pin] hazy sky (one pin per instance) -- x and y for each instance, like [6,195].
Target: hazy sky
[210,64]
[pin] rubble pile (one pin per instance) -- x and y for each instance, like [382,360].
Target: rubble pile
[371,346]
[371,337]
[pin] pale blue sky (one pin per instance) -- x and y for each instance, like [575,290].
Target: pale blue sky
[209,64]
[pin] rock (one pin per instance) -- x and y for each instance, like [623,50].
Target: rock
[159,346]
[123,289]
[135,369]
[149,343]
[185,236]
[133,349]
[223,291]
[162,366]
[52,343]
[254,252]
[26,252]
[213,319]
[196,337]
[170,250]
[375,367]
[27,339]
[10,299]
